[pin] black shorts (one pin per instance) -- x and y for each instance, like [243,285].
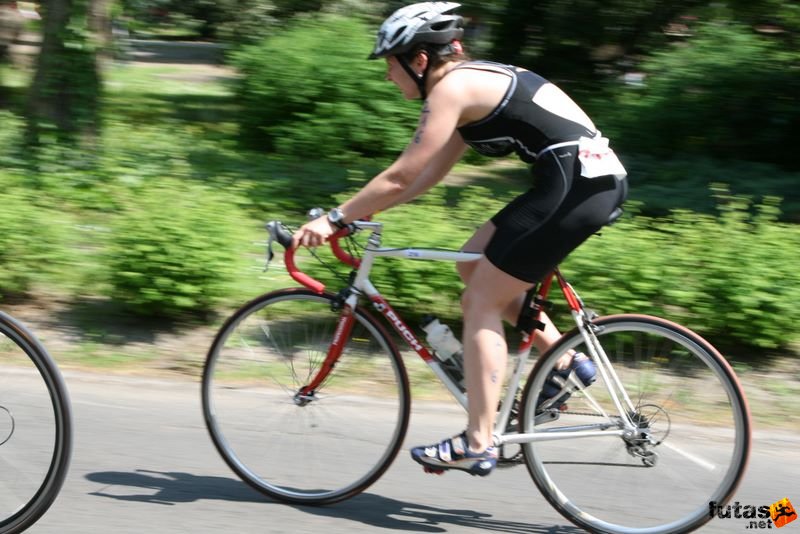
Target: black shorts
[539,228]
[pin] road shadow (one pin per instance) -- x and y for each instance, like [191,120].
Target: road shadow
[170,487]
[173,488]
[387,513]
[104,320]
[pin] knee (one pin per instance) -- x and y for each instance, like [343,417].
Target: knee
[477,300]
[465,270]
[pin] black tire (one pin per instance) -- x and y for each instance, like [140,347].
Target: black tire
[317,450]
[691,440]
[35,428]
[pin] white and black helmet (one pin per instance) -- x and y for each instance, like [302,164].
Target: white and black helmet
[423,23]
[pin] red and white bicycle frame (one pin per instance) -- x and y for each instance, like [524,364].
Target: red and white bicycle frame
[362,285]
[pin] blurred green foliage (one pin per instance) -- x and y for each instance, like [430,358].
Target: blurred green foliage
[235,22]
[175,248]
[32,236]
[11,135]
[727,93]
[64,96]
[728,275]
[163,213]
[662,185]
[31,241]
[328,102]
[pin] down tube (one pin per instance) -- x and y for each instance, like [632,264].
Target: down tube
[407,334]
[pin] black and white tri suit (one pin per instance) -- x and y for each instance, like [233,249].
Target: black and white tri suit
[538,229]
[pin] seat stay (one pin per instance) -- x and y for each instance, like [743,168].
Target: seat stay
[616,389]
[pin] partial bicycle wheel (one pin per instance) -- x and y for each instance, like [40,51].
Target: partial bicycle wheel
[316,448]
[35,428]
[680,442]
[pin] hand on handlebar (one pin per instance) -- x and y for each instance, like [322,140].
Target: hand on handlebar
[313,233]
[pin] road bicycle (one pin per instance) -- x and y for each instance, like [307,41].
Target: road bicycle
[306,397]
[35,428]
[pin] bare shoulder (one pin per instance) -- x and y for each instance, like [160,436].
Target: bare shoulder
[476,78]
[477,92]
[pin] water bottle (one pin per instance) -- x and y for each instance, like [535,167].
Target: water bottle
[448,349]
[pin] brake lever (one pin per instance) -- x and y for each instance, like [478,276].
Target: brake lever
[281,234]
[270,254]
[271,228]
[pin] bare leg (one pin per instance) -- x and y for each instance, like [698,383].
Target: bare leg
[488,294]
[543,338]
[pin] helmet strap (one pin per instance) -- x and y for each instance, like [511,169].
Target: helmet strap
[419,79]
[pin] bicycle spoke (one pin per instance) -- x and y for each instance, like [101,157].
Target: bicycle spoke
[685,441]
[320,447]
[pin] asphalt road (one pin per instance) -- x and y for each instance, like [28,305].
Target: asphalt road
[143,463]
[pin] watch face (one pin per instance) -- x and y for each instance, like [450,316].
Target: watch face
[335,216]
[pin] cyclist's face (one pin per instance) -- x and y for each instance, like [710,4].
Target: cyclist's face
[396,73]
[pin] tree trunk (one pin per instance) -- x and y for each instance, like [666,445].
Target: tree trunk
[512,34]
[65,90]
[46,101]
[100,26]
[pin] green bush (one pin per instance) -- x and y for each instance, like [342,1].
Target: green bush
[730,277]
[681,182]
[176,249]
[10,140]
[310,92]
[30,240]
[726,92]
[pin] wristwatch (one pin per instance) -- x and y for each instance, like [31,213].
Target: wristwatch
[336,218]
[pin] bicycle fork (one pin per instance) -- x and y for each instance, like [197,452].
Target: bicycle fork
[344,327]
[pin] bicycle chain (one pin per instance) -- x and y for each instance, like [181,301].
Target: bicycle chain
[517,459]
[567,412]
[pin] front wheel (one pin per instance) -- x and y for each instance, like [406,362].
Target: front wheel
[299,446]
[35,428]
[676,444]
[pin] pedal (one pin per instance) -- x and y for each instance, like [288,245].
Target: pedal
[509,455]
[433,470]
[505,463]
[546,417]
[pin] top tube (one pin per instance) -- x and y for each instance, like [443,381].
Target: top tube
[424,254]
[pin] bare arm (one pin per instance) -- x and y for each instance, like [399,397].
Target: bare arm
[435,171]
[433,151]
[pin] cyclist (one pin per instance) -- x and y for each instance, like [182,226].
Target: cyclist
[496,109]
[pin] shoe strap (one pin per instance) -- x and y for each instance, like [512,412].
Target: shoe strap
[454,448]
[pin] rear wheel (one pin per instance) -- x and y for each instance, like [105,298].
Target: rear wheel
[317,448]
[683,442]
